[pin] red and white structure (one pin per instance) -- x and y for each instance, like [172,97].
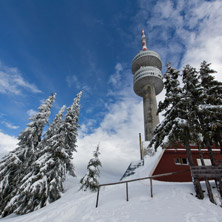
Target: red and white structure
[143,41]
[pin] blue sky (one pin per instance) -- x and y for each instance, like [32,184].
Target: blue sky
[62,47]
[67,46]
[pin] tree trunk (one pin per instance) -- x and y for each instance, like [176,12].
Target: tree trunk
[196,181]
[218,182]
[209,190]
[207,142]
[201,154]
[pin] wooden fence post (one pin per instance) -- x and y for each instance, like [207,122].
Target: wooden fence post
[97,199]
[151,188]
[127,196]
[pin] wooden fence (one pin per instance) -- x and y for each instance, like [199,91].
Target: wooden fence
[214,172]
[138,179]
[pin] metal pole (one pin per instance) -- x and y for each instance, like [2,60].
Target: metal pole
[140,142]
[97,199]
[127,196]
[151,188]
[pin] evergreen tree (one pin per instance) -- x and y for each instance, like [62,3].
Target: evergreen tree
[44,184]
[31,136]
[178,125]
[210,113]
[172,98]
[71,132]
[17,164]
[90,180]
[9,168]
[53,128]
[173,90]
[193,92]
[211,110]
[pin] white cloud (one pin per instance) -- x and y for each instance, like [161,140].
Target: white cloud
[206,44]
[87,127]
[9,125]
[184,32]
[7,143]
[121,82]
[12,82]
[115,79]
[73,81]
[117,136]
[31,112]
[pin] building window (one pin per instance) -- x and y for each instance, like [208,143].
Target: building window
[207,162]
[184,161]
[180,161]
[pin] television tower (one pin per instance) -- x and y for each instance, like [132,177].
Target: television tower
[147,80]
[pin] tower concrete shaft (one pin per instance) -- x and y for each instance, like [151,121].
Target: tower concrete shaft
[147,78]
[151,119]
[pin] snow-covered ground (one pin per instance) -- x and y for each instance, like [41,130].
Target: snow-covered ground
[171,202]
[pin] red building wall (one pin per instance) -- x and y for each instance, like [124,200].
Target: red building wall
[167,163]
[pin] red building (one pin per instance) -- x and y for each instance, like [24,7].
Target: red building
[172,160]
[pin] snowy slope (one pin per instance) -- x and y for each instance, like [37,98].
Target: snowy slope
[171,202]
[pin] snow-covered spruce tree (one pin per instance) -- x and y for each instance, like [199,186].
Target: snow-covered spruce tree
[172,98]
[17,164]
[44,184]
[211,110]
[9,168]
[199,108]
[173,90]
[193,92]
[177,124]
[32,135]
[90,180]
[210,113]
[53,128]
[71,132]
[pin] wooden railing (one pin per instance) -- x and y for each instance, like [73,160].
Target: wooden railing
[214,172]
[138,179]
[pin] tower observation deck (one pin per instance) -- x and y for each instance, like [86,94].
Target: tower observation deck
[147,79]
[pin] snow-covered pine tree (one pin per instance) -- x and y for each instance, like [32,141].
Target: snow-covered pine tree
[211,109]
[53,128]
[17,164]
[212,88]
[210,112]
[192,98]
[173,90]
[31,136]
[71,132]
[90,180]
[176,127]
[44,184]
[195,98]
[9,167]
[172,98]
